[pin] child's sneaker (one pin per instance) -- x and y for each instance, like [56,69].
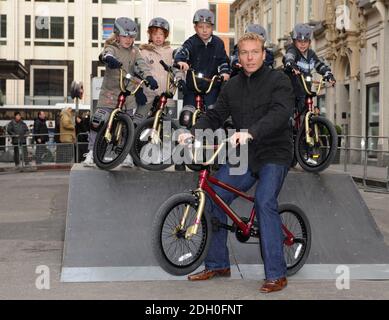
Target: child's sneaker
[88,162]
[128,162]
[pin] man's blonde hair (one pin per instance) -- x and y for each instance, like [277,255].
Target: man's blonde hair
[253,37]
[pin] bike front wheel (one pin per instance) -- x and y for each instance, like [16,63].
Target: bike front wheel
[110,154]
[153,153]
[176,253]
[316,156]
[298,237]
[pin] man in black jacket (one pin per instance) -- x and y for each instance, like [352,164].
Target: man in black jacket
[260,102]
[41,136]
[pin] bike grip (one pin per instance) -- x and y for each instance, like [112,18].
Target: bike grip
[164,65]
[176,65]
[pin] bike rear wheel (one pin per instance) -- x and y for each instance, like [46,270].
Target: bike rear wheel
[108,155]
[174,253]
[318,157]
[297,244]
[149,155]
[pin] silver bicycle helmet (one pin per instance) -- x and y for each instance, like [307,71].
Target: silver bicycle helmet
[125,27]
[204,15]
[302,32]
[256,28]
[159,23]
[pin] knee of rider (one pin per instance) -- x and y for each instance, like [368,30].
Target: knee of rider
[266,206]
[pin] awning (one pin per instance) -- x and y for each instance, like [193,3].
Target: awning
[10,69]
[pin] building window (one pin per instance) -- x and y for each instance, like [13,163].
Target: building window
[107,27]
[374,53]
[3,26]
[138,23]
[269,24]
[178,34]
[232,19]
[95,28]
[49,28]
[48,86]
[213,9]
[282,16]
[71,28]
[27,27]
[373,118]
[2,91]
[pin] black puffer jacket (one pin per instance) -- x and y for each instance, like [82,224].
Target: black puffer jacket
[18,130]
[41,130]
[263,104]
[209,59]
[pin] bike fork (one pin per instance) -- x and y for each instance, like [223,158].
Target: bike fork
[311,140]
[108,134]
[192,230]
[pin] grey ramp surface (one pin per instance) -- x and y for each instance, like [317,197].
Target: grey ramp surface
[343,229]
[110,215]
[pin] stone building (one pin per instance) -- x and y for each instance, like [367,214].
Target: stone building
[353,38]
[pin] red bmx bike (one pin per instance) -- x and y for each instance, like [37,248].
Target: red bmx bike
[182,230]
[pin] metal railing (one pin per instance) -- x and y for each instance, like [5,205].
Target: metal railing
[25,151]
[366,157]
[357,155]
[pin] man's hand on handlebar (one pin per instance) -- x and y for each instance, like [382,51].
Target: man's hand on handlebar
[240,138]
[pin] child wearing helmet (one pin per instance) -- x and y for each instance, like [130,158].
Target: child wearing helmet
[158,49]
[269,61]
[205,53]
[299,58]
[120,52]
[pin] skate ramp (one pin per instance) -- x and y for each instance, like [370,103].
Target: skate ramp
[110,215]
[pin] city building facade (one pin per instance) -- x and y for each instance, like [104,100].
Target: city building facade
[353,38]
[59,41]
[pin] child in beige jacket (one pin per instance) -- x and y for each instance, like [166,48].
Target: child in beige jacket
[158,49]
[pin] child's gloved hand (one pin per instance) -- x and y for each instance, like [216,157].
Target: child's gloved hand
[140,98]
[329,77]
[112,62]
[152,83]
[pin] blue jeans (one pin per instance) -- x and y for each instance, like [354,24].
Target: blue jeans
[271,178]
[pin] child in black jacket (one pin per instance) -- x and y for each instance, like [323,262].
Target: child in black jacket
[205,53]
[299,58]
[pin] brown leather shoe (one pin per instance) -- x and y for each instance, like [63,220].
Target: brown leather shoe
[274,285]
[209,274]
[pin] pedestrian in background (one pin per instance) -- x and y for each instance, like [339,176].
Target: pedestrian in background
[67,137]
[41,136]
[18,130]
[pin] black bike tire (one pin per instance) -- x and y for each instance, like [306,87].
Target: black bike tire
[148,123]
[157,247]
[302,217]
[333,148]
[100,135]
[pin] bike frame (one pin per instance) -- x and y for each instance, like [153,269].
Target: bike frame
[309,112]
[168,94]
[199,96]
[124,93]
[204,188]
